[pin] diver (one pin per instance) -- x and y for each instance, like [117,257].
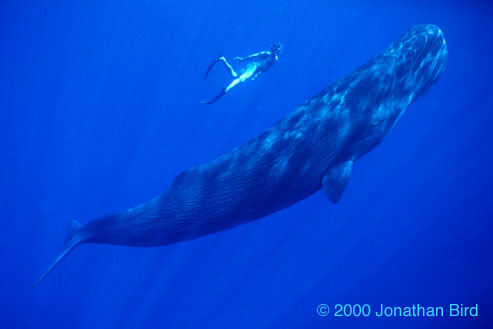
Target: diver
[260,62]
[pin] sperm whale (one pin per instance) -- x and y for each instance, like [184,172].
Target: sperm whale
[312,148]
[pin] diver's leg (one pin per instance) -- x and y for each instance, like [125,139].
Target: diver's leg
[233,83]
[223,92]
[228,66]
[249,71]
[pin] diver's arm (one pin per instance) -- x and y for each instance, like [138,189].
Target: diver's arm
[252,56]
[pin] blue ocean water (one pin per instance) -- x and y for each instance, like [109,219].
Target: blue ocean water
[99,107]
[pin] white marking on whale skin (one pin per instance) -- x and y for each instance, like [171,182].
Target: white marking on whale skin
[279,167]
[269,141]
[316,144]
[292,134]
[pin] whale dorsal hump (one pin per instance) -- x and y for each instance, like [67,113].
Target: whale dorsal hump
[335,180]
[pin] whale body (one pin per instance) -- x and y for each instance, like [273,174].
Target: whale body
[313,147]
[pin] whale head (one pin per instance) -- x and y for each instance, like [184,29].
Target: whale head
[421,57]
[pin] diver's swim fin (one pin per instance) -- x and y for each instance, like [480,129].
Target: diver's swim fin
[213,99]
[210,67]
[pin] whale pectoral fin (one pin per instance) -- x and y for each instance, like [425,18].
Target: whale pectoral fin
[336,179]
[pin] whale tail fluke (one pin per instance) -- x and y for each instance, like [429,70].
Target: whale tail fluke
[74,237]
[73,227]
